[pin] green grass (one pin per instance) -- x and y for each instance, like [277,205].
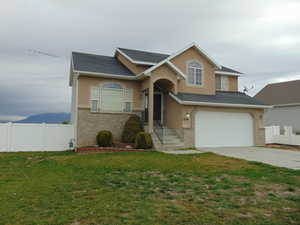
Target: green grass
[190,148]
[144,188]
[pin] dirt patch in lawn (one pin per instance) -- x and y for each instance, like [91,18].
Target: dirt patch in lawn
[276,191]
[228,164]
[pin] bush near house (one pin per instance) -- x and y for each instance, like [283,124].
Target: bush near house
[143,140]
[104,138]
[132,127]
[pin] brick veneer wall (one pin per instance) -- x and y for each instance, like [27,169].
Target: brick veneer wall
[89,124]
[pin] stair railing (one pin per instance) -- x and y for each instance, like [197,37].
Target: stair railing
[159,131]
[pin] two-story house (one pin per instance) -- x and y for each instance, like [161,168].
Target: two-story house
[186,92]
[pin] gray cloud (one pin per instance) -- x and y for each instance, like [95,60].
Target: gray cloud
[259,38]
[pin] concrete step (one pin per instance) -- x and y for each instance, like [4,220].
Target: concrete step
[174,141]
[172,147]
[170,132]
[167,131]
[171,141]
[167,139]
[171,137]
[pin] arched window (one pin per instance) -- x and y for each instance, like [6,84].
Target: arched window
[195,75]
[112,85]
[111,97]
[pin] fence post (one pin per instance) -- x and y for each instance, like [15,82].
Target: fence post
[276,130]
[9,136]
[44,135]
[269,134]
[288,130]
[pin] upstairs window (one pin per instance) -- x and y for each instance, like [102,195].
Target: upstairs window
[195,73]
[111,97]
[222,83]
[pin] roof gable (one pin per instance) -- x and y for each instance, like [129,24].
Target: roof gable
[152,58]
[280,93]
[193,45]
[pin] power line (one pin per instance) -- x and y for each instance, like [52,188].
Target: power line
[37,52]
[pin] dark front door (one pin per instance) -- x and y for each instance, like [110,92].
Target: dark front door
[157,108]
[145,113]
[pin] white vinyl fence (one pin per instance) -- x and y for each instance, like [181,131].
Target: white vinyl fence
[287,138]
[16,137]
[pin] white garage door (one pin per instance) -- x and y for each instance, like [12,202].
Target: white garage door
[219,129]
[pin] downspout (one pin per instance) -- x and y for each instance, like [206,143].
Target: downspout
[76,75]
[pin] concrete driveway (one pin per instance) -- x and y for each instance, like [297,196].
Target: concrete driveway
[275,157]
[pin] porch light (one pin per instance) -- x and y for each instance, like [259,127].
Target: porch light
[187,116]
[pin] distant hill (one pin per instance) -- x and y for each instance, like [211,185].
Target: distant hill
[4,121]
[46,118]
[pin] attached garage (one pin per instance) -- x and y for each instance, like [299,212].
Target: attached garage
[219,129]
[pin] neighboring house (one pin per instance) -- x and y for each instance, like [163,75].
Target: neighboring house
[186,94]
[285,98]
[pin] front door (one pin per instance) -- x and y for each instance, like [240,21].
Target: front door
[157,111]
[145,113]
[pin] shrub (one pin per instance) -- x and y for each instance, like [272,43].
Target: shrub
[132,127]
[104,138]
[143,140]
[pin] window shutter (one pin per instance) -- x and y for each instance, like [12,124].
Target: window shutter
[94,93]
[198,76]
[128,95]
[94,106]
[224,83]
[191,77]
[218,83]
[128,99]
[94,99]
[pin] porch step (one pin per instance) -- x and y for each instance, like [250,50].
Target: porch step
[170,140]
[170,132]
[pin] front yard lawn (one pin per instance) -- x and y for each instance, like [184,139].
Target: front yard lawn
[144,188]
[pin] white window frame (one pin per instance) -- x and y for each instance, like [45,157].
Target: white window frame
[224,83]
[94,96]
[201,68]
[126,97]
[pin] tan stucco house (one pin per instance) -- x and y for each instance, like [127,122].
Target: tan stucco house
[185,99]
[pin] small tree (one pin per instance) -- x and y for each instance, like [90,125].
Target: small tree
[132,127]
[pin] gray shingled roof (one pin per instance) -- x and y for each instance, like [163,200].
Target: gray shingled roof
[110,65]
[226,97]
[280,93]
[228,70]
[153,57]
[144,56]
[99,64]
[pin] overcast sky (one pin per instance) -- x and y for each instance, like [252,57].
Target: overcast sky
[258,38]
